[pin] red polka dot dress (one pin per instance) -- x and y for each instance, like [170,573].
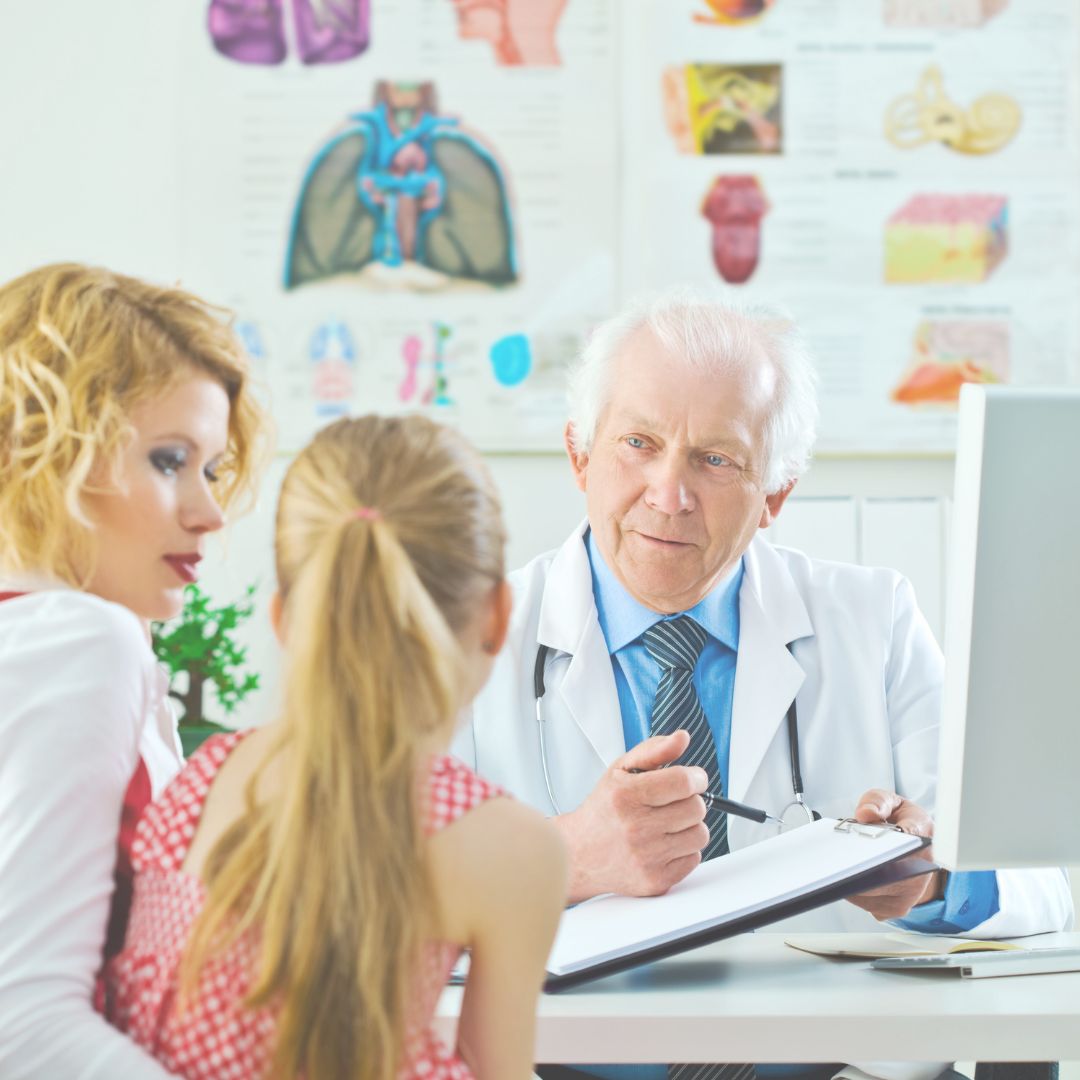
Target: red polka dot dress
[215,1035]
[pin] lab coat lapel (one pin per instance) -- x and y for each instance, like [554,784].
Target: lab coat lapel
[569,624]
[767,676]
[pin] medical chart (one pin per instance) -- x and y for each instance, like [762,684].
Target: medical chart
[426,205]
[902,176]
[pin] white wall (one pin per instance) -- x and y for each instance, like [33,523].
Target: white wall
[88,146]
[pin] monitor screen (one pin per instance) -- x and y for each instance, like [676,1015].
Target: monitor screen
[1009,771]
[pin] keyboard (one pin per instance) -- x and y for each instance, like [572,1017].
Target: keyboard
[988,964]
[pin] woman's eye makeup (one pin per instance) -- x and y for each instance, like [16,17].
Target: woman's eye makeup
[168,460]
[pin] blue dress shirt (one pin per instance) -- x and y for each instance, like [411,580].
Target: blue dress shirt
[970,897]
[637,675]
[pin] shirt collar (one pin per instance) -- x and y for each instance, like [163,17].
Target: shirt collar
[623,619]
[31,582]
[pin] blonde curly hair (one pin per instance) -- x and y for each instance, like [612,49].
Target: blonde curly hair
[80,347]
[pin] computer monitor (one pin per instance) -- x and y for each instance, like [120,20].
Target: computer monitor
[1009,773]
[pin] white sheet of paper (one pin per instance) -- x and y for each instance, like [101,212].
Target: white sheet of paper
[738,884]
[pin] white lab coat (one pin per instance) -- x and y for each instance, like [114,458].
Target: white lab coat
[863,668]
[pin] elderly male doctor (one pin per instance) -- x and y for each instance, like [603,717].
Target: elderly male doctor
[672,634]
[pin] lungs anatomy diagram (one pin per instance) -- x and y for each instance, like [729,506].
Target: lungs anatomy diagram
[405,191]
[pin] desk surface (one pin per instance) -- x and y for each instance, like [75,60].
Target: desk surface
[753,998]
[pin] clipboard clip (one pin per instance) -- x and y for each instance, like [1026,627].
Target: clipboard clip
[861,828]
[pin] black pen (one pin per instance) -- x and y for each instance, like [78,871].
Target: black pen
[730,806]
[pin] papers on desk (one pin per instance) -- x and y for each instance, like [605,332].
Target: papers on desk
[877,946]
[971,957]
[783,876]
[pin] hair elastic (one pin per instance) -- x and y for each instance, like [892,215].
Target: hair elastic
[365,513]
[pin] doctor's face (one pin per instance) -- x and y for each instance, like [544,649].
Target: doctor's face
[154,507]
[673,480]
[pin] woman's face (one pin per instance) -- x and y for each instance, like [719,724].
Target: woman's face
[154,509]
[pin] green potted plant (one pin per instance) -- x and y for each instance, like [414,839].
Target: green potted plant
[198,648]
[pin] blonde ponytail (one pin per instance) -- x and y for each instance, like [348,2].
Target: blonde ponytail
[331,873]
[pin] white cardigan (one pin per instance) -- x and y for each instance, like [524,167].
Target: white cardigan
[81,699]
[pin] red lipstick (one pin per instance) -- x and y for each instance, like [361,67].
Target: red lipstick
[184,566]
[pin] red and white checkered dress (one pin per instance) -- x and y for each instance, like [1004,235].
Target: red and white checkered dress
[215,1035]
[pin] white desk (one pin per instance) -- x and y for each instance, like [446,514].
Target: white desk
[754,999]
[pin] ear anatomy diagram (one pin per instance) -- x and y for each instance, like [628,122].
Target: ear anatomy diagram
[734,206]
[928,115]
[253,31]
[403,188]
[946,238]
[948,353]
[412,357]
[717,109]
[332,356]
[733,12]
[522,32]
[941,13]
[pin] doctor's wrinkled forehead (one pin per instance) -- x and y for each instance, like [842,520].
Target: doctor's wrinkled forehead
[709,332]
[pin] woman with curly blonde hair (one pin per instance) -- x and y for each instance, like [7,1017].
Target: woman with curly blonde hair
[127,428]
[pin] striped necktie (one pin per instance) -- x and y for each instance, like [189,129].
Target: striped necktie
[676,644]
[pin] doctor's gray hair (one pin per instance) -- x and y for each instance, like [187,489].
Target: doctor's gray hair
[710,333]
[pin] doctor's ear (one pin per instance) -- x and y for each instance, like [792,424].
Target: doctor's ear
[497,620]
[579,461]
[773,505]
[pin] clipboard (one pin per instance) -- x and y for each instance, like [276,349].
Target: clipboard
[786,875]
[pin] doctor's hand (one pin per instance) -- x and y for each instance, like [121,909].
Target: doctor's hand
[638,833]
[878,807]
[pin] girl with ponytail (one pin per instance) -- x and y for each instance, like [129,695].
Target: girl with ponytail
[303,890]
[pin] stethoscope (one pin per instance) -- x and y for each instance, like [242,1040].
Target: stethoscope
[793,815]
